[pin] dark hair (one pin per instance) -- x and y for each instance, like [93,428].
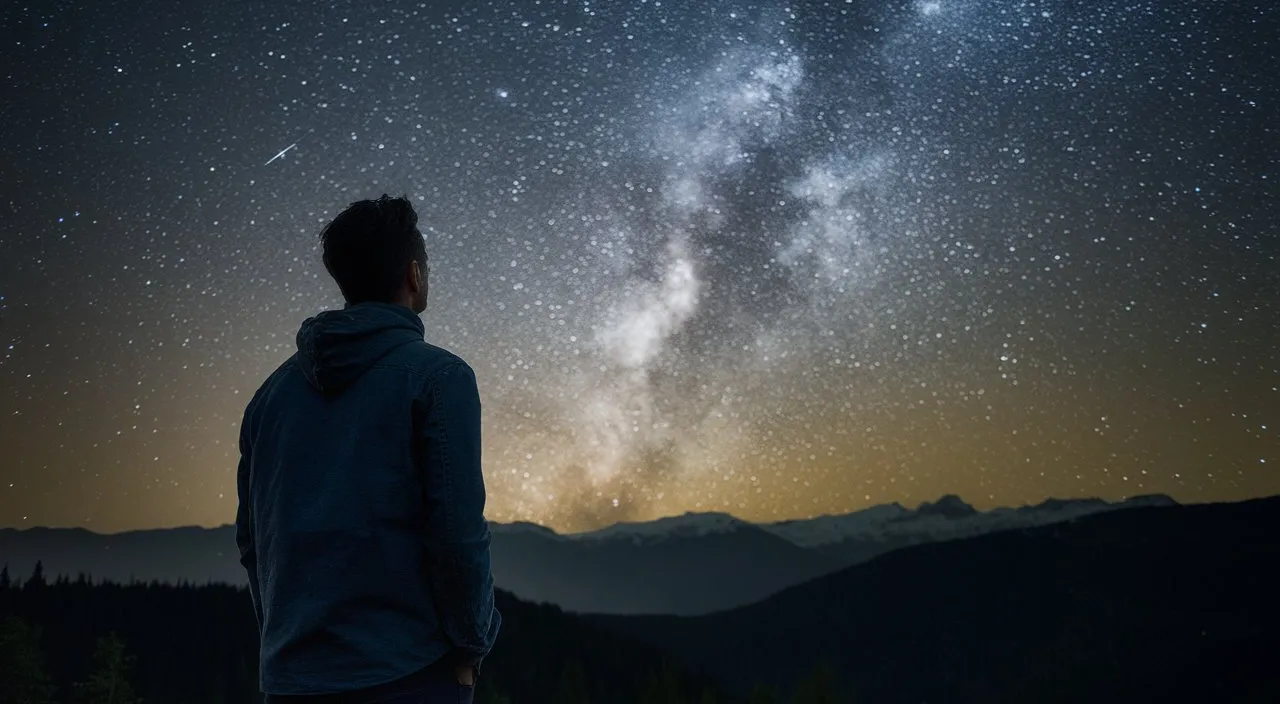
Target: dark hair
[368,246]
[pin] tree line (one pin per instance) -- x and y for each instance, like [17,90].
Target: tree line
[77,641]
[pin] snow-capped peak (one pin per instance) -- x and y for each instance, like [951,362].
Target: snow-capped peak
[948,517]
[949,506]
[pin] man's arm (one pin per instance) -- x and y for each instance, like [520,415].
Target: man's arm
[244,519]
[457,539]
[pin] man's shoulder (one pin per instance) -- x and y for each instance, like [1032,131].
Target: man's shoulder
[274,377]
[426,359]
[269,384]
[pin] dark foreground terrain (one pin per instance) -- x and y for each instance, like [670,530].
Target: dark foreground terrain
[1165,604]
[1157,604]
[198,645]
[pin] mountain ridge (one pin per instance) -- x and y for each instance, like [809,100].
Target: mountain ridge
[522,524]
[690,564]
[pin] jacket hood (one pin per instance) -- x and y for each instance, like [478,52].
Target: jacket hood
[337,346]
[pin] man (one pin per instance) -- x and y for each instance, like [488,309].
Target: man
[361,503]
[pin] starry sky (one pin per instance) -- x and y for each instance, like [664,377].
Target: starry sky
[765,258]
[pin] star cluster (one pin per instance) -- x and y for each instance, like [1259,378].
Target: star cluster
[771,259]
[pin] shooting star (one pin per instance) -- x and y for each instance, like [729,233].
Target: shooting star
[281,153]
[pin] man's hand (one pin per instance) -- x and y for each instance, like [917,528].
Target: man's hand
[466,675]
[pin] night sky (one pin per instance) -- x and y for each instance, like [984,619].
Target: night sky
[763,258]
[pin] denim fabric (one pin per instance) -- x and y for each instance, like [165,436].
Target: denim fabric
[361,507]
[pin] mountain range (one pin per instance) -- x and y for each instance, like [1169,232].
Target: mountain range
[692,564]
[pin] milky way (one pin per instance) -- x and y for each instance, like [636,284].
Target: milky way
[771,259]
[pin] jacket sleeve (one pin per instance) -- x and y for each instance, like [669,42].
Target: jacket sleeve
[457,536]
[244,517]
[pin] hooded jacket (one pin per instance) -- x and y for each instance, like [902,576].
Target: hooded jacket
[361,503]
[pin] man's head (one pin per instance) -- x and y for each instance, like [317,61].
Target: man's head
[374,250]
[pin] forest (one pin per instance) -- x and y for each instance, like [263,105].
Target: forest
[79,641]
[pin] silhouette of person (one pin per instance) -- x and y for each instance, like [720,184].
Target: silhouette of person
[361,502]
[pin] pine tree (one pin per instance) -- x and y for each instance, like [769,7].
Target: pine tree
[36,580]
[22,676]
[5,581]
[108,683]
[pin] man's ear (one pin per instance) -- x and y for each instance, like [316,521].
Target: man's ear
[415,276]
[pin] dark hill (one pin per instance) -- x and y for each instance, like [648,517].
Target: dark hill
[1145,605]
[667,574]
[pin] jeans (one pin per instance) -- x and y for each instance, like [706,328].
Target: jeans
[434,684]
